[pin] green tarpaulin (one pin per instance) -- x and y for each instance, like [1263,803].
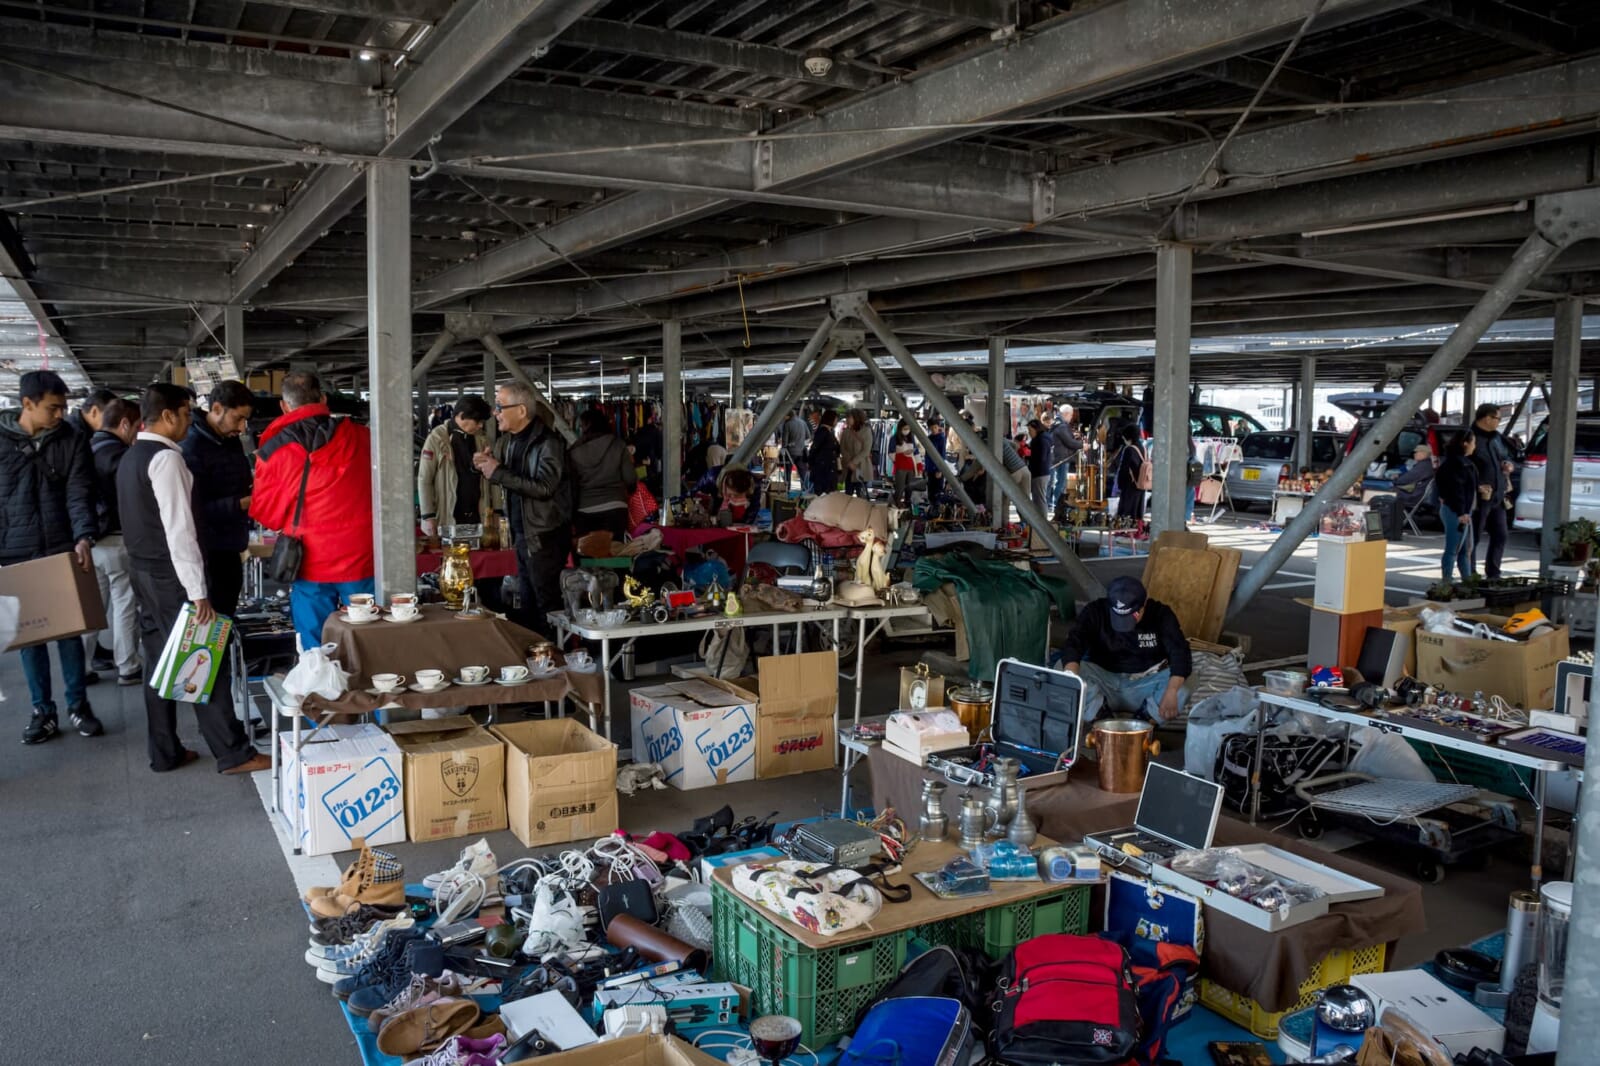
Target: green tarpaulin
[1006,610]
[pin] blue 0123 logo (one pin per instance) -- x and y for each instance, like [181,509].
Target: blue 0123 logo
[722,750]
[664,745]
[355,810]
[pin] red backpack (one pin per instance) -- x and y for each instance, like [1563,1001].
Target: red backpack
[1066,1000]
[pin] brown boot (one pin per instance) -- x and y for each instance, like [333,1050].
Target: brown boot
[348,881]
[423,1029]
[379,881]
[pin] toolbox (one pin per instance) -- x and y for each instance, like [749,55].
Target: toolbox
[1036,718]
[1177,812]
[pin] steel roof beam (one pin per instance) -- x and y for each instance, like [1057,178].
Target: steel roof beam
[725,53]
[381,10]
[1289,83]
[990,14]
[1521,28]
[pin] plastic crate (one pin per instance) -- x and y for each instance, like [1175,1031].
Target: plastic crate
[999,929]
[1335,968]
[823,988]
[1468,768]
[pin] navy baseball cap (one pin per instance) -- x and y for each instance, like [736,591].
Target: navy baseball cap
[1125,596]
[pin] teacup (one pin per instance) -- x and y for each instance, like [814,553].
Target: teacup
[474,673]
[402,611]
[430,678]
[402,599]
[388,682]
[362,609]
[579,658]
[513,673]
[363,600]
[541,656]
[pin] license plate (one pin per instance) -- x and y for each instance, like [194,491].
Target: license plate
[1250,475]
[1585,487]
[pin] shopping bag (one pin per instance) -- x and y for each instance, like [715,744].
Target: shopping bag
[316,674]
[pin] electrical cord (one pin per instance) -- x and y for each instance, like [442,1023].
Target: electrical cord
[625,860]
[741,1042]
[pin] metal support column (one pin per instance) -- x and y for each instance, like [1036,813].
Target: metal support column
[1469,395]
[1174,283]
[1084,584]
[233,335]
[1510,424]
[780,403]
[672,408]
[736,384]
[634,378]
[441,344]
[388,360]
[951,478]
[999,422]
[420,403]
[561,425]
[489,363]
[1307,414]
[1563,432]
[1560,221]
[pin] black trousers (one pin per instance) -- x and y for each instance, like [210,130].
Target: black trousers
[1489,526]
[540,560]
[224,580]
[615,520]
[161,598]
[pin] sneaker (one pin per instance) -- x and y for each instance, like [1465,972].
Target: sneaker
[83,718]
[343,929]
[378,965]
[350,954]
[475,858]
[464,1051]
[41,727]
[102,662]
[91,678]
[420,990]
[135,678]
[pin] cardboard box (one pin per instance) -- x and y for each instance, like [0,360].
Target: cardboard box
[1350,575]
[1441,1012]
[799,697]
[648,1050]
[1335,639]
[700,732]
[455,773]
[55,599]
[561,781]
[1523,673]
[346,786]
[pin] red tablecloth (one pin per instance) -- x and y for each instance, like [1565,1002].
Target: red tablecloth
[500,563]
[730,544]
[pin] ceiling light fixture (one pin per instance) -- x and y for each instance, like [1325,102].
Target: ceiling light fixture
[1449,216]
[366,55]
[818,62]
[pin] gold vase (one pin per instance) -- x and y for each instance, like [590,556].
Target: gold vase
[455,574]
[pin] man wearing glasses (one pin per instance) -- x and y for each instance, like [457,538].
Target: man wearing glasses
[529,463]
[1493,461]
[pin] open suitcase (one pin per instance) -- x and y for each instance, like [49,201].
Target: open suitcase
[1036,717]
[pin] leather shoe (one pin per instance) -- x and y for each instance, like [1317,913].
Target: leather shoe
[425,1028]
[256,762]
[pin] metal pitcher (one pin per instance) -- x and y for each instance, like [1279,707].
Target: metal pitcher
[1002,801]
[934,824]
[974,820]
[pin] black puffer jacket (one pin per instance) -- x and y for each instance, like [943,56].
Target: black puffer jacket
[46,491]
[222,478]
[107,449]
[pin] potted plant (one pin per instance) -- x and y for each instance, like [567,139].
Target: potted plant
[1577,539]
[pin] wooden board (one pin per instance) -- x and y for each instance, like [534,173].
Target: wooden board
[1182,578]
[1172,538]
[1221,592]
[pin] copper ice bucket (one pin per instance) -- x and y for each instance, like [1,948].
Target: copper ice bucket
[1123,747]
[971,704]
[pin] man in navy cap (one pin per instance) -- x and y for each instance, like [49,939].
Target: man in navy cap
[1130,652]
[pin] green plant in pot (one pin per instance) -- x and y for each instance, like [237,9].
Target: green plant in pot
[1577,539]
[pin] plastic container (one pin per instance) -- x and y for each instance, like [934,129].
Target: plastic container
[822,988]
[999,929]
[1285,682]
[1336,967]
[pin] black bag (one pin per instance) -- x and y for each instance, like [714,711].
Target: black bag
[627,897]
[952,973]
[289,552]
[1286,761]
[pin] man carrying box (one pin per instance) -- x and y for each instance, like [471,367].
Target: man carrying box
[47,484]
[154,488]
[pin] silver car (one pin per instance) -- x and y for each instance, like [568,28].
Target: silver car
[1529,513]
[1268,455]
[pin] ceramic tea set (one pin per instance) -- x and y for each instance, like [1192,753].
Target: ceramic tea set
[364,608]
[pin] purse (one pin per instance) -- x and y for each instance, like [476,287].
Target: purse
[289,552]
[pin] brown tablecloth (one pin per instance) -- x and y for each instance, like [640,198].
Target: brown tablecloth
[1267,967]
[442,640]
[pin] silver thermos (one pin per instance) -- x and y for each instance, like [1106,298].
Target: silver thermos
[1522,935]
[934,824]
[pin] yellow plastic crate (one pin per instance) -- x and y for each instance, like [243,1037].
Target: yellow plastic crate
[1336,967]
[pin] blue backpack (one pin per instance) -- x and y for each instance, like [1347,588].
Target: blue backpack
[912,1031]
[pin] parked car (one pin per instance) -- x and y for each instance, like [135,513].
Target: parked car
[1111,411]
[1529,507]
[1269,454]
[1368,407]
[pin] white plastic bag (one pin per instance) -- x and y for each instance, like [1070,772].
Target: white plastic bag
[1210,721]
[316,673]
[555,925]
[1388,756]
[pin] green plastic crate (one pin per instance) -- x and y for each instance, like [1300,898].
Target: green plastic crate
[823,988]
[999,929]
[1449,765]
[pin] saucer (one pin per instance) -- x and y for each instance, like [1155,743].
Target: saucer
[586,668]
[519,681]
[360,621]
[382,692]
[472,684]
[403,621]
[440,687]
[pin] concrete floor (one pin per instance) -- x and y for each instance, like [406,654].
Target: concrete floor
[156,915]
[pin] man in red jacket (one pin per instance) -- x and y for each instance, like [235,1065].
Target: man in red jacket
[334,455]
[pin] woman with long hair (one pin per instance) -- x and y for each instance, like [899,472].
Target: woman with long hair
[1457,483]
[1130,461]
[905,462]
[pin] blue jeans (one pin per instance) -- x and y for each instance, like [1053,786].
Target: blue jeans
[1058,484]
[1457,544]
[36,668]
[311,602]
[1123,694]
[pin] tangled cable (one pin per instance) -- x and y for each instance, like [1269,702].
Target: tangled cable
[627,862]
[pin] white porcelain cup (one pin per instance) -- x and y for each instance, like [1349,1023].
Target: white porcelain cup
[513,673]
[474,673]
[362,612]
[402,599]
[430,678]
[579,658]
[363,599]
[388,682]
[402,611]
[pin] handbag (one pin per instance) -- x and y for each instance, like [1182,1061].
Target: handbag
[289,552]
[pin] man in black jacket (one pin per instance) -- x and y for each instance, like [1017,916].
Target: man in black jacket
[1493,461]
[529,463]
[222,483]
[1130,652]
[47,492]
[119,421]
